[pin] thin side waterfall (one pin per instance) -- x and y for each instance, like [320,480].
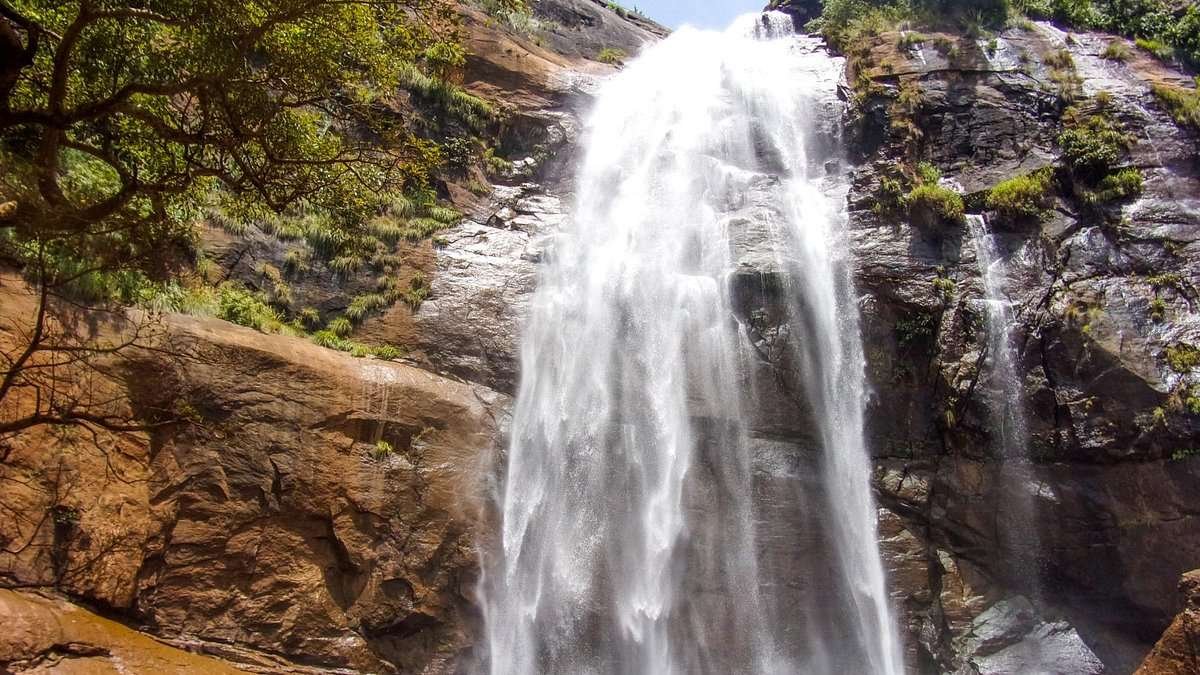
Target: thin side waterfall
[628,516]
[1016,524]
[1009,415]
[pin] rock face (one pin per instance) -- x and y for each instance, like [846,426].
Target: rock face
[48,634]
[1178,651]
[1112,485]
[290,508]
[269,514]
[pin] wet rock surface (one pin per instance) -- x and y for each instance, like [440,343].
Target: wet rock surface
[48,634]
[1112,484]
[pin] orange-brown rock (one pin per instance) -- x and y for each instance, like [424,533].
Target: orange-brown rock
[46,634]
[295,500]
[1178,651]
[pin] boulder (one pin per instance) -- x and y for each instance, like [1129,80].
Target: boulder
[1178,650]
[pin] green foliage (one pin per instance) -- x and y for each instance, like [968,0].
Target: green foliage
[1022,197]
[1117,50]
[618,9]
[915,191]
[246,308]
[1092,145]
[495,164]
[1159,417]
[329,340]
[916,329]
[381,451]
[1122,184]
[910,39]
[612,56]
[845,22]
[123,121]
[1061,67]
[340,327]
[514,13]
[944,286]
[1183,357]
[928,174]
[1060,59]
[1182,104]
[418,291]
[1184,453]
[296,261]
[389,353]
[1169,30]
[1166,280]
[902,121]
[1158,309]
[309,317]
[444,215]
[934,204]
[365,305]
[448,98]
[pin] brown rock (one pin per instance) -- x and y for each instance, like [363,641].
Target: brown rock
[1178,652]
[48,634]
[266,515]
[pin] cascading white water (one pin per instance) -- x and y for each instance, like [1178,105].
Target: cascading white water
[1008,414]
[628,514]
[1016,524]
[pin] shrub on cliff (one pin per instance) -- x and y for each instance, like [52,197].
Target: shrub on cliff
[1092,145]
[916,192]
[1022,197]
[930,205]
[1166,29]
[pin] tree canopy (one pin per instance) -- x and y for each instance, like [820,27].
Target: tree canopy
[120,118]
[122,122]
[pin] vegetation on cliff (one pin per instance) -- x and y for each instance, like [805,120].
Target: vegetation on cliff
[1169,30]
[124,127]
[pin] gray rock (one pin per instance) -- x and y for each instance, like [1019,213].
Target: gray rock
[1009,638]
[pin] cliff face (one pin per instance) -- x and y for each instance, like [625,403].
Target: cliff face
[1103,306]
[272,527]
[268,516]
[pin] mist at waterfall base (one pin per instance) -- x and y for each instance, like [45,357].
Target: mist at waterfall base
[634,533]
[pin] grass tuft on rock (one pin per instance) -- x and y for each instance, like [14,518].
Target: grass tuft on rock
[1181,103]
[1022,197]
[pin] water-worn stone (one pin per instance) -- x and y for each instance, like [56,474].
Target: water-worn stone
[1009,637]
[46,634]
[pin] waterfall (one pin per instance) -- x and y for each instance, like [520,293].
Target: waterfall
[1016,524]
[628,520]
[1007,411]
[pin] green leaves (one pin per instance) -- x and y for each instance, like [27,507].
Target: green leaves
[129,117]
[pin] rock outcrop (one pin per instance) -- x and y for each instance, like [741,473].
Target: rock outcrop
[289,508]
[287,498]
[49,634]
[1178,651]
[1112,481]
